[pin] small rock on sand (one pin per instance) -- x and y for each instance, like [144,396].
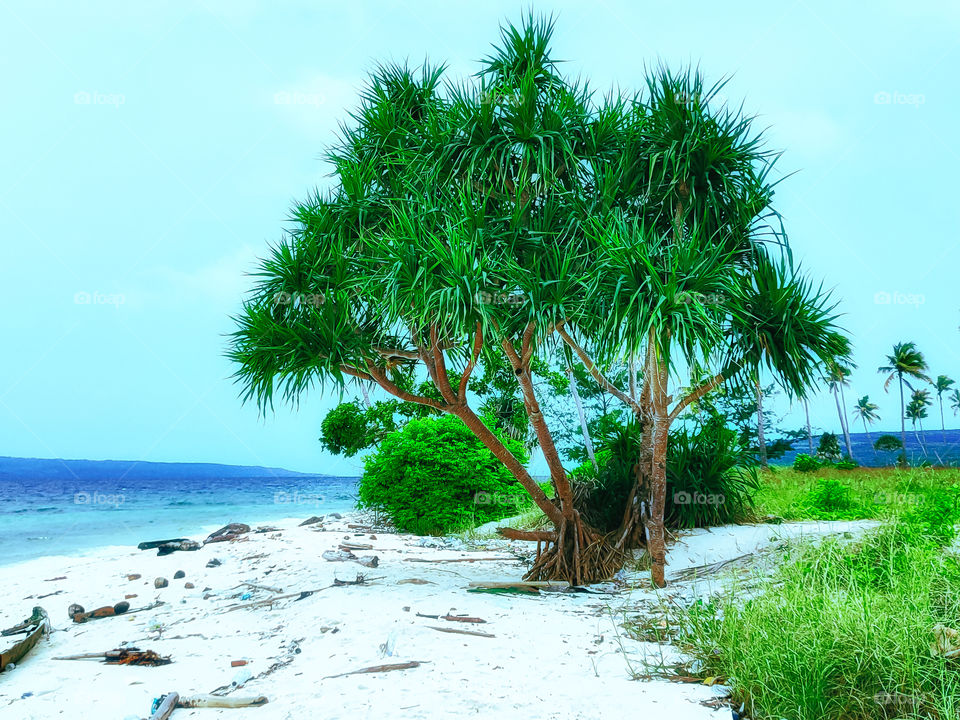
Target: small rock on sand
[214,563]
[312,520]
[160,583]
[179,575]
[189,585]
[134,576]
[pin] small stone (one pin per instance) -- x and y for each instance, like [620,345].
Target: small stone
[312,520]
[373,537]
[129,597]
[179,575]
[75,609]
[214,563]
[160,583]
[336,516]
[189,585]
[207,596]
[134,576]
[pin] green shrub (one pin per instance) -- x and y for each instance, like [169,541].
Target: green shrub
[847,464]
[434,476]
[830,499]
[805,463]
[829,447]
[711,477]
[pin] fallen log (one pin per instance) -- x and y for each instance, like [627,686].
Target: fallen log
[227,532]
[123,656]
[214,701]
[164,706]
[380,668]
[263,587]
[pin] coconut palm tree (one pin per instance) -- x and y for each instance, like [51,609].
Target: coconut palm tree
[955,401]
[916,411]
[905,362]
[941,385]
[867,412]
[837,376]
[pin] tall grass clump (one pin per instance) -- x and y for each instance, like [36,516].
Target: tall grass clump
[844,630]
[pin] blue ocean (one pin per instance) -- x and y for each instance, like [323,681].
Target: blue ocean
[57,507]
[937,447]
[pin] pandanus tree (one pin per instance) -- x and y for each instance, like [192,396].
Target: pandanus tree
[941,385]
[905,362]
[867,412]
[518,218]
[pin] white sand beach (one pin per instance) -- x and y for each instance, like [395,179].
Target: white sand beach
[552,655]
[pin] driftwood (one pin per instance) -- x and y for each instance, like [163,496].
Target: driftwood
[226,533]
[458,631]
[355,546]
[121,608]
[167,705]
[454,618]
[123,656]
[263,587]
[454,560]
[165,547]
[704,570]
[214,701]
[380,668]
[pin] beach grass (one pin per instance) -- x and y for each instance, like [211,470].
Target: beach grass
[842,631]
[861,493]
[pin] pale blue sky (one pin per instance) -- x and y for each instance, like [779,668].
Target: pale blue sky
[151,150]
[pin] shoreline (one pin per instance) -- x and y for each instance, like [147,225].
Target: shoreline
[550,655]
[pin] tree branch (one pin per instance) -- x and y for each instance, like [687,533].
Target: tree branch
[477,346]
[595,372]
[380,377]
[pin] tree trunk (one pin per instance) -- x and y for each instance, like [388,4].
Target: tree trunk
[843,428]
[903,423]
[500,451]
[806,409]
[366,394]
[587,442]
[943,425]
[761,440]
[846,422]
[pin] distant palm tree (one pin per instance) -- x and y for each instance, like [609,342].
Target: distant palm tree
[837,376]
[917,411]
[955,401]
[806,409]
[906,360]
[867,412]
[941,385]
